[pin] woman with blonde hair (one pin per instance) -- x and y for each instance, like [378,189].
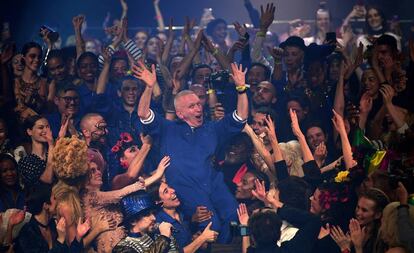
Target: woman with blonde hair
[292,154]
[388,234]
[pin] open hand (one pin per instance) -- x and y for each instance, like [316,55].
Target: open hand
[243,214]
[267,16]
[164,163]
[77,22]
[238,75]
[295,123]
[342,240]
[338,122]
[82,228]
[358,235]
[149,77]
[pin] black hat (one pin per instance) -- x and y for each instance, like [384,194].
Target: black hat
[294,41]
[135,204]
[316,52]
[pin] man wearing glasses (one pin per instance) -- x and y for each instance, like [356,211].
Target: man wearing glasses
[67,102]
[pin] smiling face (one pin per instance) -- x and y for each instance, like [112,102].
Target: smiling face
[190,110]
[8,173]
[365,211]
[258,123]
[119,68]
[144,225]
[315,136]
[88,69]
[322,21]
[315,205]
[17,65]
[56,68]
[33,59]
[39,131]
[245,187]
[129,92]
[168,197]
[95,175]
[129,155]
[370,82]
[68,102]
[374,19]
[140,39]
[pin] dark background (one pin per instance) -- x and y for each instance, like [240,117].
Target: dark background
[26,16]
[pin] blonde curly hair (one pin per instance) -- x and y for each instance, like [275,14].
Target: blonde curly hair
[70,160]
[293,156]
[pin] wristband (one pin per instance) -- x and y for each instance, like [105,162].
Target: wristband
[385,82]
[215,52]
[261,34]
[210,91]
[277,61]
[244,231]
[242,92]
[241,88]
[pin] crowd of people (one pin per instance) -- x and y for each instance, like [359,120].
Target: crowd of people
[212,139]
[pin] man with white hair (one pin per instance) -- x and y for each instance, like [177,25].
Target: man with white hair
[191,144]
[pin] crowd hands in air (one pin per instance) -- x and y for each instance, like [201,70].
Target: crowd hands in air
[207,138]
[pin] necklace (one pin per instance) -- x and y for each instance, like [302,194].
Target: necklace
[40,224]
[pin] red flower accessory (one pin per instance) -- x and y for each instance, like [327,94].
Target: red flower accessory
[126,137]
[123,139]
[327,198]
[116,148]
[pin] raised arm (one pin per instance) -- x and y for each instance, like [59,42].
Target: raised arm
[215,51]
[261,149]
[113,197]
[397,116]
[77,22]
[104,75]
[158,16]
[266,19]
[188,59]
[168,44]
[239,77]
[306,152]
[164,163]
[135,167]
[149,78]
[271,134]
[339,125]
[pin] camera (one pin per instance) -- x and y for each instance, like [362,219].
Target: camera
[217,79]
[53,36]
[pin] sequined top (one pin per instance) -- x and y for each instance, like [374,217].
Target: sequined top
[30,168]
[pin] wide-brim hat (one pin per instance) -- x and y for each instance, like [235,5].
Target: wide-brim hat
[293,41]
[137,203]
